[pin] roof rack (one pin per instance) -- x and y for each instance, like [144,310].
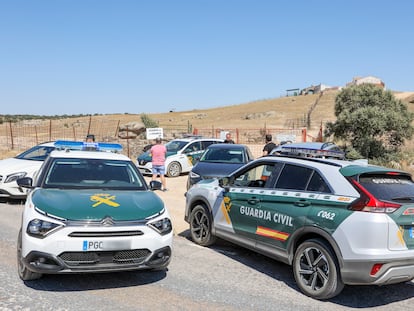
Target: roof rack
[87,146]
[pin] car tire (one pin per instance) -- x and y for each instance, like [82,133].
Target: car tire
[174,169]
[24,273]
[201,226]
[316,270]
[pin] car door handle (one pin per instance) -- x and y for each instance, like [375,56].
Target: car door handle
[253,201]
[302,203]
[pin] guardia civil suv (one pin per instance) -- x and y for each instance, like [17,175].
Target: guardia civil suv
[182,154]
[90,210]
[335,222]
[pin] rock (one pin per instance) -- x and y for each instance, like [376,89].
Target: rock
[134,127]
[127,135]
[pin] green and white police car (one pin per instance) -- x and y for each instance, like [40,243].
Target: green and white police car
[335,222]
[182,154]
[91,211]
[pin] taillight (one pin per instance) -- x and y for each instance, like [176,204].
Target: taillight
[368,203]
[375,268]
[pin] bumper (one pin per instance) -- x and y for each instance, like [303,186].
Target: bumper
[391,272]
[145,169]
[75,249]
[12,191]
[83,262]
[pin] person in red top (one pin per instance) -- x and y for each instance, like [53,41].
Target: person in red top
[158,153]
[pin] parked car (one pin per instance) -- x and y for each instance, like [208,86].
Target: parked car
[311,149]
[182,154]
[91,211]
[335,222]
[219,160]
[25,164]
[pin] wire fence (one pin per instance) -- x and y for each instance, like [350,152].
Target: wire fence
[19,136]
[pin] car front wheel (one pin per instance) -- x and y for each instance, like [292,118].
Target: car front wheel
[201,226]
[316,270]
[174,169]
[24,273]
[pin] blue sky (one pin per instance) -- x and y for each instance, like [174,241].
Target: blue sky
[134,56]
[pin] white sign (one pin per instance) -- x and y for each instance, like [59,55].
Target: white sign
[155,132]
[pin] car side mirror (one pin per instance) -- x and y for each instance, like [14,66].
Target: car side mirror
[155,185]
[225,183]
[25,182]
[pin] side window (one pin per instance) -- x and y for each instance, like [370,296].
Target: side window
[38,154]
[257,177]
[294,177]
[195,146]
[317,183]
[207,143]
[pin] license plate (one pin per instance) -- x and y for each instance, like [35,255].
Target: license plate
[99,245]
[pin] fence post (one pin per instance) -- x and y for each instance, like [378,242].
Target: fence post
[37,139]
[89,125]
[50,129]
[304,135]
[117,129]
[11,135]
[127,128]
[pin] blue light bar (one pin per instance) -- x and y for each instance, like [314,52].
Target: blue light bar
[87,146]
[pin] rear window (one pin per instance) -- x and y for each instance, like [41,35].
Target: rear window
[388,187]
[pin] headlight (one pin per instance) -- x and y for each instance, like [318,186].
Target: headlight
[14,177]
[162,226]
[40,228]
[194,175]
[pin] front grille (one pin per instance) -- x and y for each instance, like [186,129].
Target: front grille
[100,234]
[133,256]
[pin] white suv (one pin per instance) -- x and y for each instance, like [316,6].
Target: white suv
[26,164]
[181,155]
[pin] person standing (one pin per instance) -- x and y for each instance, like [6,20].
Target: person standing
[158,153]
[228,139]
[269,146]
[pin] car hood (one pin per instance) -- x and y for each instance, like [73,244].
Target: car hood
[209,169]
[98,204]
[13,165]
[147,157]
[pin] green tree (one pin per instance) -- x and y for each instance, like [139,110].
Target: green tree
[148,122]
[371,120]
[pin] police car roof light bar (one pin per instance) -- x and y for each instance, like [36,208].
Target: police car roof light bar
[313,152]
[87,146]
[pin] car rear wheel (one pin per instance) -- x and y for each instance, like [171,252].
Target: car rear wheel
[174,169]
[24,273]
[316,270]
[200,226]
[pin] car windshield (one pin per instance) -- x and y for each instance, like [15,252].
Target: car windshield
[175,145]
[223,155]
[93,173]
[37,153]
[389,187]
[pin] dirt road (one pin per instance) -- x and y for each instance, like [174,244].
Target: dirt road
[174,199]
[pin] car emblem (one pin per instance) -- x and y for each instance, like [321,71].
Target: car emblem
[107,221]
[103,198]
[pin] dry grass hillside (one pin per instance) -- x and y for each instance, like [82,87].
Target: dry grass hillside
[278,112]
[250,118]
